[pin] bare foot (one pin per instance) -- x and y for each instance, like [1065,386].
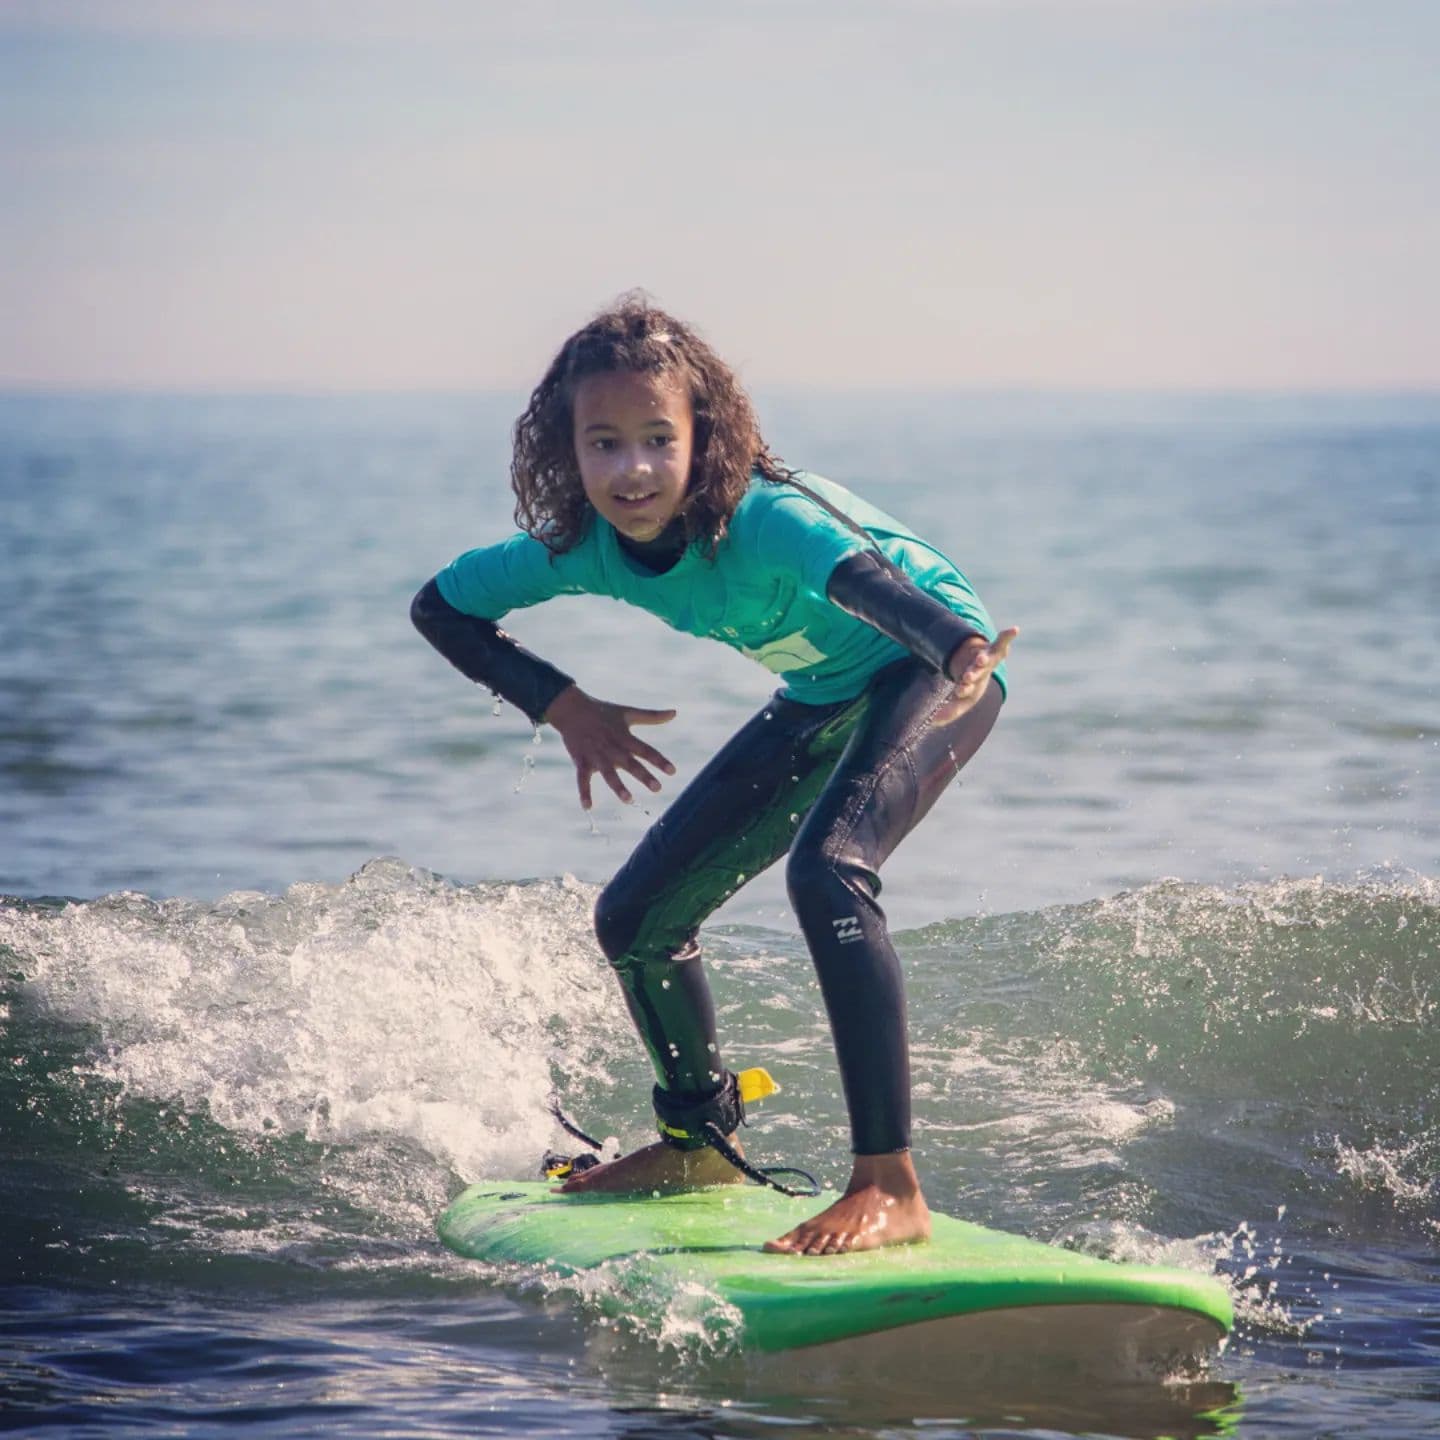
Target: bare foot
[657,1167]
[882,1205]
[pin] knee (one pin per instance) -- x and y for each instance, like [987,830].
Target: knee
[617,922]
[820,881]
[810,877]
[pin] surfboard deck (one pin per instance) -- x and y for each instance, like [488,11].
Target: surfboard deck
[968,1286]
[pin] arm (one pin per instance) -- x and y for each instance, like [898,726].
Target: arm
[883,596]
[596,733]
[481,651]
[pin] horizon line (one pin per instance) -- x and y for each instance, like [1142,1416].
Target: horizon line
[1409,390]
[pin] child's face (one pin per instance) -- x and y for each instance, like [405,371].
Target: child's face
[633,440]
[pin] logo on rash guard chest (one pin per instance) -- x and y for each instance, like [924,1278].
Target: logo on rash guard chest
[848,930]
[787,652]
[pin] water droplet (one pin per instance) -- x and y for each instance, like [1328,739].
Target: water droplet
[527,764]
[664,984]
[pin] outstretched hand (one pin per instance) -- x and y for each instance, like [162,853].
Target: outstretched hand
[971,663]
[597,735]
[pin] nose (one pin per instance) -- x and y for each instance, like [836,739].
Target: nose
[637,460]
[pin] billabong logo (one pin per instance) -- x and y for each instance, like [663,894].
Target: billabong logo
[848,929]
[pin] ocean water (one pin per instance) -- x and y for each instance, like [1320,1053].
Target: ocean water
[295,931]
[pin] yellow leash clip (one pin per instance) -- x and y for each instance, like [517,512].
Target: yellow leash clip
[756,1084]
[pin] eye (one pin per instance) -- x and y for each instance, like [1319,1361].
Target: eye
[660,441]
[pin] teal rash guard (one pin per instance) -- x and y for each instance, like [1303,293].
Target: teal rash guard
[763,593]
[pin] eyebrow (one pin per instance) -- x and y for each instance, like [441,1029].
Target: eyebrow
[648,425]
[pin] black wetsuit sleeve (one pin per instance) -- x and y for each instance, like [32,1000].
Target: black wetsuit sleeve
[483,652]
[881,594]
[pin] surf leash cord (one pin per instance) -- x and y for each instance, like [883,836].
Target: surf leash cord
[749,1085]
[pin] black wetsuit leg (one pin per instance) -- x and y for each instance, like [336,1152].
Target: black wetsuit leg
[906,748]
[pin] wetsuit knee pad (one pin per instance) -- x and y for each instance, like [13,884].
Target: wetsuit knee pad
[682,1118]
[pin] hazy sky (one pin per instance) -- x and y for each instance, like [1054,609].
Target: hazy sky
[417,193]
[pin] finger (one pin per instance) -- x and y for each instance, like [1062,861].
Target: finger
[582,777]
[1000,647]
[652,756]
[634,767]
[984,661]
[609,776]
[979,668]
[646,717]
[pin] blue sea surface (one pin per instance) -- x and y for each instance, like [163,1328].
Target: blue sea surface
[294,936]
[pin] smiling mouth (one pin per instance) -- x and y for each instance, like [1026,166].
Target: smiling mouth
[637,499]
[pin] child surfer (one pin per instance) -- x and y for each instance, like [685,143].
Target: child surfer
[639,473]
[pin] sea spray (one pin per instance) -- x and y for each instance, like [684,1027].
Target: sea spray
[395,1006]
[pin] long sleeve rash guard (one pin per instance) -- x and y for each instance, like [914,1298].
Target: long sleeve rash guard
[816,585]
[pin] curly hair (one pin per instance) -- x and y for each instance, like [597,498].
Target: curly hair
[634,336]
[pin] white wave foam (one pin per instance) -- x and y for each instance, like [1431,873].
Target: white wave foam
[644,1303]
[395,1005]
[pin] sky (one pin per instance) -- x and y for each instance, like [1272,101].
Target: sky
[431,194]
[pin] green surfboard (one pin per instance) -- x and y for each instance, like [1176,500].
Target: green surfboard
[968,1287]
